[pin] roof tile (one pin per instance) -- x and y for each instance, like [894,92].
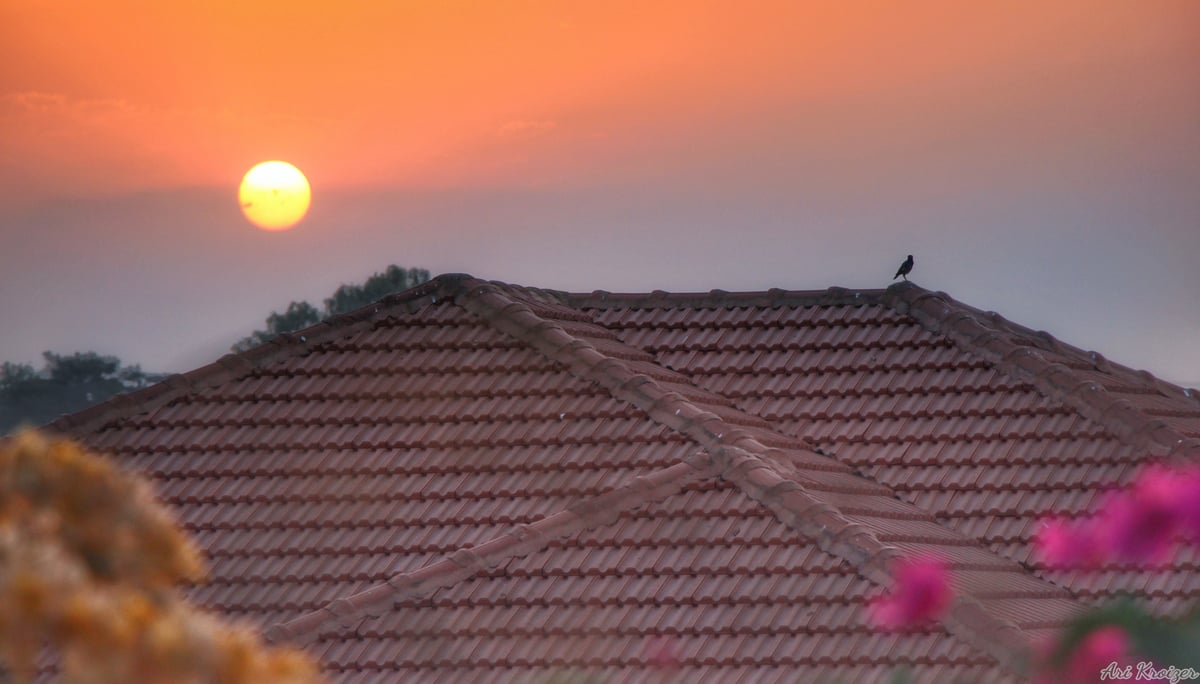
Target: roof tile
[480,477]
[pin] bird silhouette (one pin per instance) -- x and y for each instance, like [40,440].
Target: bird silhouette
[905,268]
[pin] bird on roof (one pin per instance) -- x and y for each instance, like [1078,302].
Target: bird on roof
[905,268]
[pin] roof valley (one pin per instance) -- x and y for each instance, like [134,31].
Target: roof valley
[813,494]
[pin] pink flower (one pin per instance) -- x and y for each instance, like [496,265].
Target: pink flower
[1098,650]
[1141,523]
[1064,544]
[1104,650]
[1189,504]
[921,592]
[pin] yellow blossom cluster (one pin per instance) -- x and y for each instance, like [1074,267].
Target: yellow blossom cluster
[88,564]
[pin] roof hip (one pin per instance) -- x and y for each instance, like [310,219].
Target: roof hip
[1017,351]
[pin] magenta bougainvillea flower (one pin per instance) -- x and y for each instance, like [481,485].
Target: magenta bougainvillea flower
[1097,651]
[1189,504]
[1103,650]
[921,593]
[1142,522]
[1138,525]
[1096,658]
[1064,544]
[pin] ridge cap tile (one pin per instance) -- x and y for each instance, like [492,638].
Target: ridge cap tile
[718,298]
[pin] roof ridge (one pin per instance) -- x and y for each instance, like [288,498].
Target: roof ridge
[991,337]
[792,483]
[717,298]
[235,364]
[525,538]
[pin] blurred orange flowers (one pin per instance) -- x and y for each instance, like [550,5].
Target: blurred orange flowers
[88,565]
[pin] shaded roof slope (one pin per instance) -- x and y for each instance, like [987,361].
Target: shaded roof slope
[476,476]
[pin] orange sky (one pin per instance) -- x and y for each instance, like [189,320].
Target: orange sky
[128,95]
[192,93]
[1041,158]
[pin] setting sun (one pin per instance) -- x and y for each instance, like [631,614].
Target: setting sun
[274,195]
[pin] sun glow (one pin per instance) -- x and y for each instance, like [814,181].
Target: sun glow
[274,195]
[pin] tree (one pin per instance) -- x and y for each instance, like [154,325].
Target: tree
[133,377]
[394,279]
[298,315]
[66,383]
[15,378]
[88,564]
[346,298]
[80,367]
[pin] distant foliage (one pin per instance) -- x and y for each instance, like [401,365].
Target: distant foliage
[346,298]
[80,367]
[15,375]
[65,384]
[395,279]
[297,316]
[88,564]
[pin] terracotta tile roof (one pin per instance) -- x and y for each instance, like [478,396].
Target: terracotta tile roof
[474,477]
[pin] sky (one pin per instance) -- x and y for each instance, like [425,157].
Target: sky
[1039,159]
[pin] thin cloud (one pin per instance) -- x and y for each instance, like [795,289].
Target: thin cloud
[58,104]
[33,101]
[52,140]
[527,127]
